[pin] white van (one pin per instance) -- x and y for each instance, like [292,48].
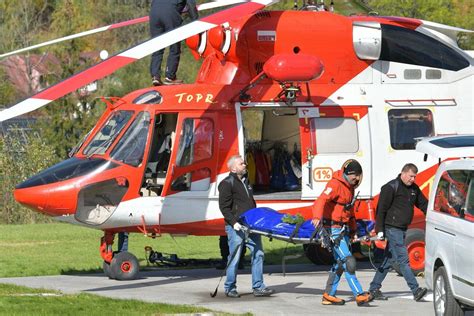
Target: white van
[449,252]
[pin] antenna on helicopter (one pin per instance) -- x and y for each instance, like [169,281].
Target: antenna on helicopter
[331,6]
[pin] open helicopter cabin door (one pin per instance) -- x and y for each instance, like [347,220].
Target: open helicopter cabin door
[271,145]
[160,153]
[194,155]
[330,135]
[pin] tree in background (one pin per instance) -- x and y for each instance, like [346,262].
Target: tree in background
[64,121]
[7,92]
[19,161]
[20,22]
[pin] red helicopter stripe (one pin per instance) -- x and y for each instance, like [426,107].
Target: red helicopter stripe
[81,79]
[129,22]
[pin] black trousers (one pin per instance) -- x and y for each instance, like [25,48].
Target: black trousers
[164,18]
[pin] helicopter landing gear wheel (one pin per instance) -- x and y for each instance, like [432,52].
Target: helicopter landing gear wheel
[317,254]
[415,242]
[124,266]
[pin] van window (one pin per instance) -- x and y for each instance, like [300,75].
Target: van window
[452,192]
[195,142]
[335,135]
[469,212]
[408,124]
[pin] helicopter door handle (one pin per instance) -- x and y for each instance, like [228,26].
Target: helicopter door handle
[309,157]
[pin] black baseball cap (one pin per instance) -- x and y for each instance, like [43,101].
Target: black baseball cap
[352,166]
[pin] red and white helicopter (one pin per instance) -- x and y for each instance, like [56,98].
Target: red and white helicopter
[317,87]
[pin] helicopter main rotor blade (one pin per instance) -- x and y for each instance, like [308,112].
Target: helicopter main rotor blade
[200,7]
[129,56]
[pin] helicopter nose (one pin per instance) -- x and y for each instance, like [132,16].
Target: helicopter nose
[33,198]
[54,200]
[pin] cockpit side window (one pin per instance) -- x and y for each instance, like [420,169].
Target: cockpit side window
[108,133]
[195,142]
[131,147]
[411,47]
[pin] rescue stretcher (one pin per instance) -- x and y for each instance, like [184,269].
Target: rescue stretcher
[270,223]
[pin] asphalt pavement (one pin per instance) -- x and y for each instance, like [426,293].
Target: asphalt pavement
[297,293]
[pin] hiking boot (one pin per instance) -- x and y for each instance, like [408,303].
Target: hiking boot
[156,81]
[378,295]
[232,294]
[169,81]
[364,299]
[332,300]
[419,293]
[263,292]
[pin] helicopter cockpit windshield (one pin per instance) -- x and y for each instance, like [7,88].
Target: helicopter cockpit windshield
[131,147]
[107,134]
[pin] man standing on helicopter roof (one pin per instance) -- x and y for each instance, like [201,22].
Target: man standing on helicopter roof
[333,211]
[165,15]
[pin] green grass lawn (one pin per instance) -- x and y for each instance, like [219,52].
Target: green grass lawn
[51,249]
[18,300]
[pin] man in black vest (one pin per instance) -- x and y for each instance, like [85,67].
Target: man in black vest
[394,214]
[235,198]
[165,15]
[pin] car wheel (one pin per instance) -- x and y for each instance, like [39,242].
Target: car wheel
[124,266]
[443,300]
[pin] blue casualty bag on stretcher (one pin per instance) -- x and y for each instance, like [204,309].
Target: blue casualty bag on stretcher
[268,222]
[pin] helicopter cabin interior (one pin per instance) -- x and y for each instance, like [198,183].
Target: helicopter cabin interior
[160,153]
[272,151]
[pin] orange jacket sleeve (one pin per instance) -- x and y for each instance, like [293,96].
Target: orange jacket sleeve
[329,194]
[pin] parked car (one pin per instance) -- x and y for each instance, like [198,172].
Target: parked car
[449,255]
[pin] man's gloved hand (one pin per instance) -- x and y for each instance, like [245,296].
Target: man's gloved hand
[237,226]
[380,236]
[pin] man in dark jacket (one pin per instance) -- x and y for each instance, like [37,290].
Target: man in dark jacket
[165,15]
[394,214]
[236,197]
